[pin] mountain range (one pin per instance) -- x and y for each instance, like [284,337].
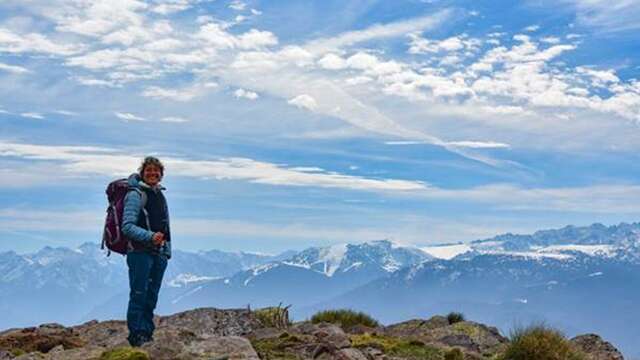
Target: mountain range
[579,279]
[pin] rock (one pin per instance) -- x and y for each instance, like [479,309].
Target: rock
[362,329]
[460,340]
[5,355]
[373,353]
[83,353]
[472,337]
[350,354]
[169,342]
[233,347]
[596,348]
[267,333]
[214,322]
[331,334]
[411,327]
[108,334]
[40,339]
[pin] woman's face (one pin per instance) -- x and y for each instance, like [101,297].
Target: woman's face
[151,175]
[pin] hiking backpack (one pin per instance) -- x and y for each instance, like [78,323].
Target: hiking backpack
[112,236]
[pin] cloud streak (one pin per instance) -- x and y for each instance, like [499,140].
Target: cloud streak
[87,160]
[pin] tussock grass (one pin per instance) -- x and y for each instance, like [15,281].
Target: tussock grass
[540,342]
[454,354]
[277,317]
[455,317]
[125,353]
[345,318]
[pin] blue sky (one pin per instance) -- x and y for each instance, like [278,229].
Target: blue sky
[287,124]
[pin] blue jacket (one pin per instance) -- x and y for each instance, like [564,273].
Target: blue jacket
[132,209]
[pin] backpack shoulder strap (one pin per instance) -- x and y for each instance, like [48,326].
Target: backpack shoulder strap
[143,197]
[143,203]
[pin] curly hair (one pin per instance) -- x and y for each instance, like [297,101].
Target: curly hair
[150,160]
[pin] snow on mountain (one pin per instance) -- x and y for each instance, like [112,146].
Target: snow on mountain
[560,252]
[446,251]
[186,279]
[592,250]
[382,255]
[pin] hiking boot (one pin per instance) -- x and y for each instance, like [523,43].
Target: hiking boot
[138,339]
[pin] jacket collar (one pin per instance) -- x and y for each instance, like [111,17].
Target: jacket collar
[135,181]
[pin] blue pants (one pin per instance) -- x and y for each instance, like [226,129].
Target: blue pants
[145,278]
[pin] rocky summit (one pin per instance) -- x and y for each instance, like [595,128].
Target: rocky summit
[245,334]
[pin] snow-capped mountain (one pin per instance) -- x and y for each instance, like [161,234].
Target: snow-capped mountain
[84,282]
[577,288]
[584,276]
[382,255]
[618,241]
[312,275]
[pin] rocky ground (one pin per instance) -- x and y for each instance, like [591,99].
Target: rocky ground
[244,334]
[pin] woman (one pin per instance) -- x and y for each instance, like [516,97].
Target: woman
[146,225]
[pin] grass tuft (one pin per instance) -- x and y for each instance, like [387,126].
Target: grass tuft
[345,318]
[540,342]
[454,354]
[125,353]
[455,317]
[277,317]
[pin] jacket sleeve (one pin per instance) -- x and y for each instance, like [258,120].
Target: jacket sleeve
[168,243]
[130,228]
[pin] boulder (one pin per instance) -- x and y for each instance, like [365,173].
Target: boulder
[214,322]
[470,336]
[596,348]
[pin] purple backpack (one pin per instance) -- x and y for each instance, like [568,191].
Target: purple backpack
[112,236]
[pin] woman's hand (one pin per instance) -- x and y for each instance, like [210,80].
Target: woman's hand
[158,239]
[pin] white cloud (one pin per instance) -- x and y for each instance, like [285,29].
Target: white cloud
[514,91]
[550,40]
[400,28]
[174,119]
[532,28]
[605,15]
[96,82]
[600,78]
[11,42]
[180,94]
[166,7]
[332,62]
[479,144]
[81,161]
[304,101]
[254,39]
[246,94]
[13,69]
[32,115]
[128,116]
[420,45]
[460,144]
[238,5]
[66,112]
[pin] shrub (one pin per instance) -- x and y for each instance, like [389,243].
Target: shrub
[125,353]
[540,342]
[277,317]
[455,317]
[454,354]
[345,318]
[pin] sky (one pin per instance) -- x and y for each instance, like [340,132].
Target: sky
[289,124]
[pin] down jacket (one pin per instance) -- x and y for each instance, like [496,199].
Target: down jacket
[130,217]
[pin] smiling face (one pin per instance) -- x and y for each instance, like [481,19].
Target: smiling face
[151,175]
